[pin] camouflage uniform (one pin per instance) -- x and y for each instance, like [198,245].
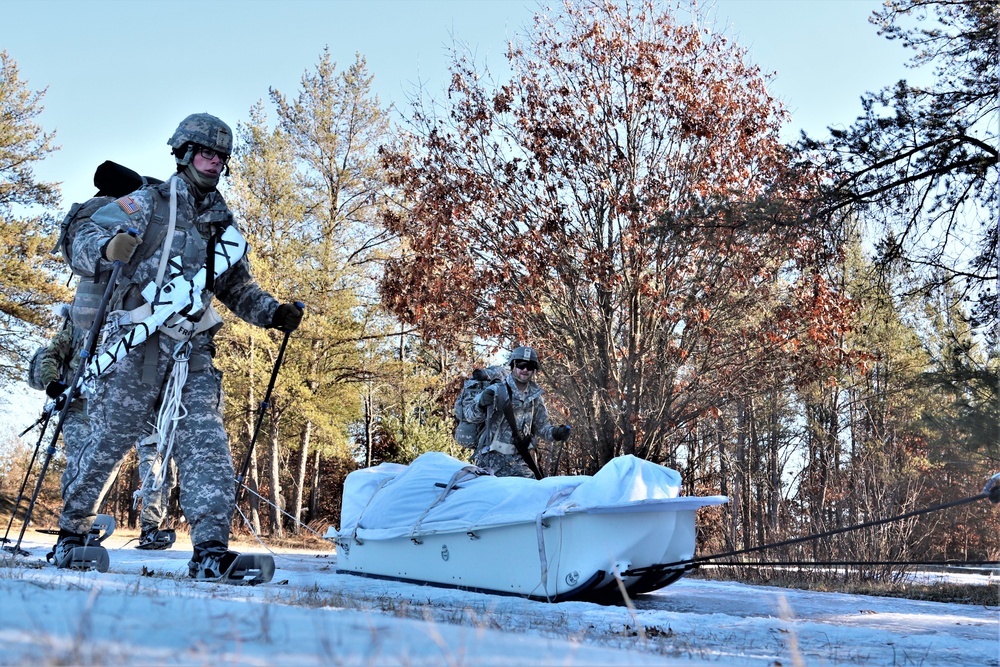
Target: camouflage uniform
[123,404]
[495,449]
[58,361]
[154,502]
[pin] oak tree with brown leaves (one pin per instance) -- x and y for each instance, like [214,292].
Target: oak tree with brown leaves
[624,205]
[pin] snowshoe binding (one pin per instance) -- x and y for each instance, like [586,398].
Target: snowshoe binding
[102,528]
[77,551]
[155,539]
[214,562]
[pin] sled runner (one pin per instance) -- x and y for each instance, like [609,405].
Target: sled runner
[441,521]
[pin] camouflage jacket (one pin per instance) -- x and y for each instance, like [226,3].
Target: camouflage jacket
[195,227]
[62,356]
[530,415]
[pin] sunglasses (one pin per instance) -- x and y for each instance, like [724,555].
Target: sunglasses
[526,365]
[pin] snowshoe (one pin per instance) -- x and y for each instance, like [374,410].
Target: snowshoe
[155,540]
[213,561]
[71,552]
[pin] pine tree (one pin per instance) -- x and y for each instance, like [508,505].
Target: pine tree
[310,190]
[29,275]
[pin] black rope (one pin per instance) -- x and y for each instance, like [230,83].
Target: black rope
[854,563]
[692,563]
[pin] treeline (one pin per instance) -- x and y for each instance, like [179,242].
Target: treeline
[768,319]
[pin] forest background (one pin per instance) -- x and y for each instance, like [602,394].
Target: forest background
[808,326]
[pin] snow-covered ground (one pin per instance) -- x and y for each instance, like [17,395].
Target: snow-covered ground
[145,612]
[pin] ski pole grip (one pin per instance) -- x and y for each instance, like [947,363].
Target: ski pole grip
[993,488]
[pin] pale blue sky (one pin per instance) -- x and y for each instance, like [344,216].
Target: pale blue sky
[121,74]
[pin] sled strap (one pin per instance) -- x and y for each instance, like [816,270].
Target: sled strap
[520,443]
[357,524]
[543,561]
[462,474]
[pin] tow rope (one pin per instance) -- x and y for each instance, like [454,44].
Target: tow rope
[991,492]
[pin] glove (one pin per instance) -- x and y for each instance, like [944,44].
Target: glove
[560,432]
[121,246]
[287,317]
[55,388]
[487,396]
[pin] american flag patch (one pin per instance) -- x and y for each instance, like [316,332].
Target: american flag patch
[128,205]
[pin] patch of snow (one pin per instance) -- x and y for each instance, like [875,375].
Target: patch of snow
[311,615]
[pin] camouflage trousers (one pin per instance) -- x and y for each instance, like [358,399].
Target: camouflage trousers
[503,465]
[154,501]
[75,432]
[121,411]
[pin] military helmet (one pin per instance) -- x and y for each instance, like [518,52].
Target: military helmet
[523,353]
[205,130]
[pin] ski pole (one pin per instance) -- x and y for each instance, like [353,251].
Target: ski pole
[44,417]
[71,391]
[264,405]
[44,420]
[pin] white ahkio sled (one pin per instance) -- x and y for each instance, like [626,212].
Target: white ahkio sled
[443,522]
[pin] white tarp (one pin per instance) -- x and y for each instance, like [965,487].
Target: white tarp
[392,500]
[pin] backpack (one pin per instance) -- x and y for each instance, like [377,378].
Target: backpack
[467,433]
[113,181]
[35,369]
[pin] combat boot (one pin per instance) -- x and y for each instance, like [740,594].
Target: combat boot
[211,561]
[71,551]
[153,539]
[65,543]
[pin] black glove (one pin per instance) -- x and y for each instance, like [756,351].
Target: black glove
[560,432]
[287,317]
[487,396]
[55,388]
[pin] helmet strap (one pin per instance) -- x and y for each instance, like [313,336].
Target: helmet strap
[185,159]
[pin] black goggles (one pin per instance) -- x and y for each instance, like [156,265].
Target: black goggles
[529,365]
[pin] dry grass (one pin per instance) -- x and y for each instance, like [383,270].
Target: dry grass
[828,581]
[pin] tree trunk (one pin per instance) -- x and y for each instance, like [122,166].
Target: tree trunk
[300,480]
[369,417]
[254,484]
[741,505]
[274,480]
[314,491]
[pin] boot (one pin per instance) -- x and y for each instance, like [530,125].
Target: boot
[154,539]
[211,560]
[65,543]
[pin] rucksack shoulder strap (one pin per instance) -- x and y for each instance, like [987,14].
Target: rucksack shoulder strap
[156,230]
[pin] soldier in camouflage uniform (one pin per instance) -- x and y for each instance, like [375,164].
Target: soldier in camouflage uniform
[496,449]
[56,363]
[154,500]
[125,397]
